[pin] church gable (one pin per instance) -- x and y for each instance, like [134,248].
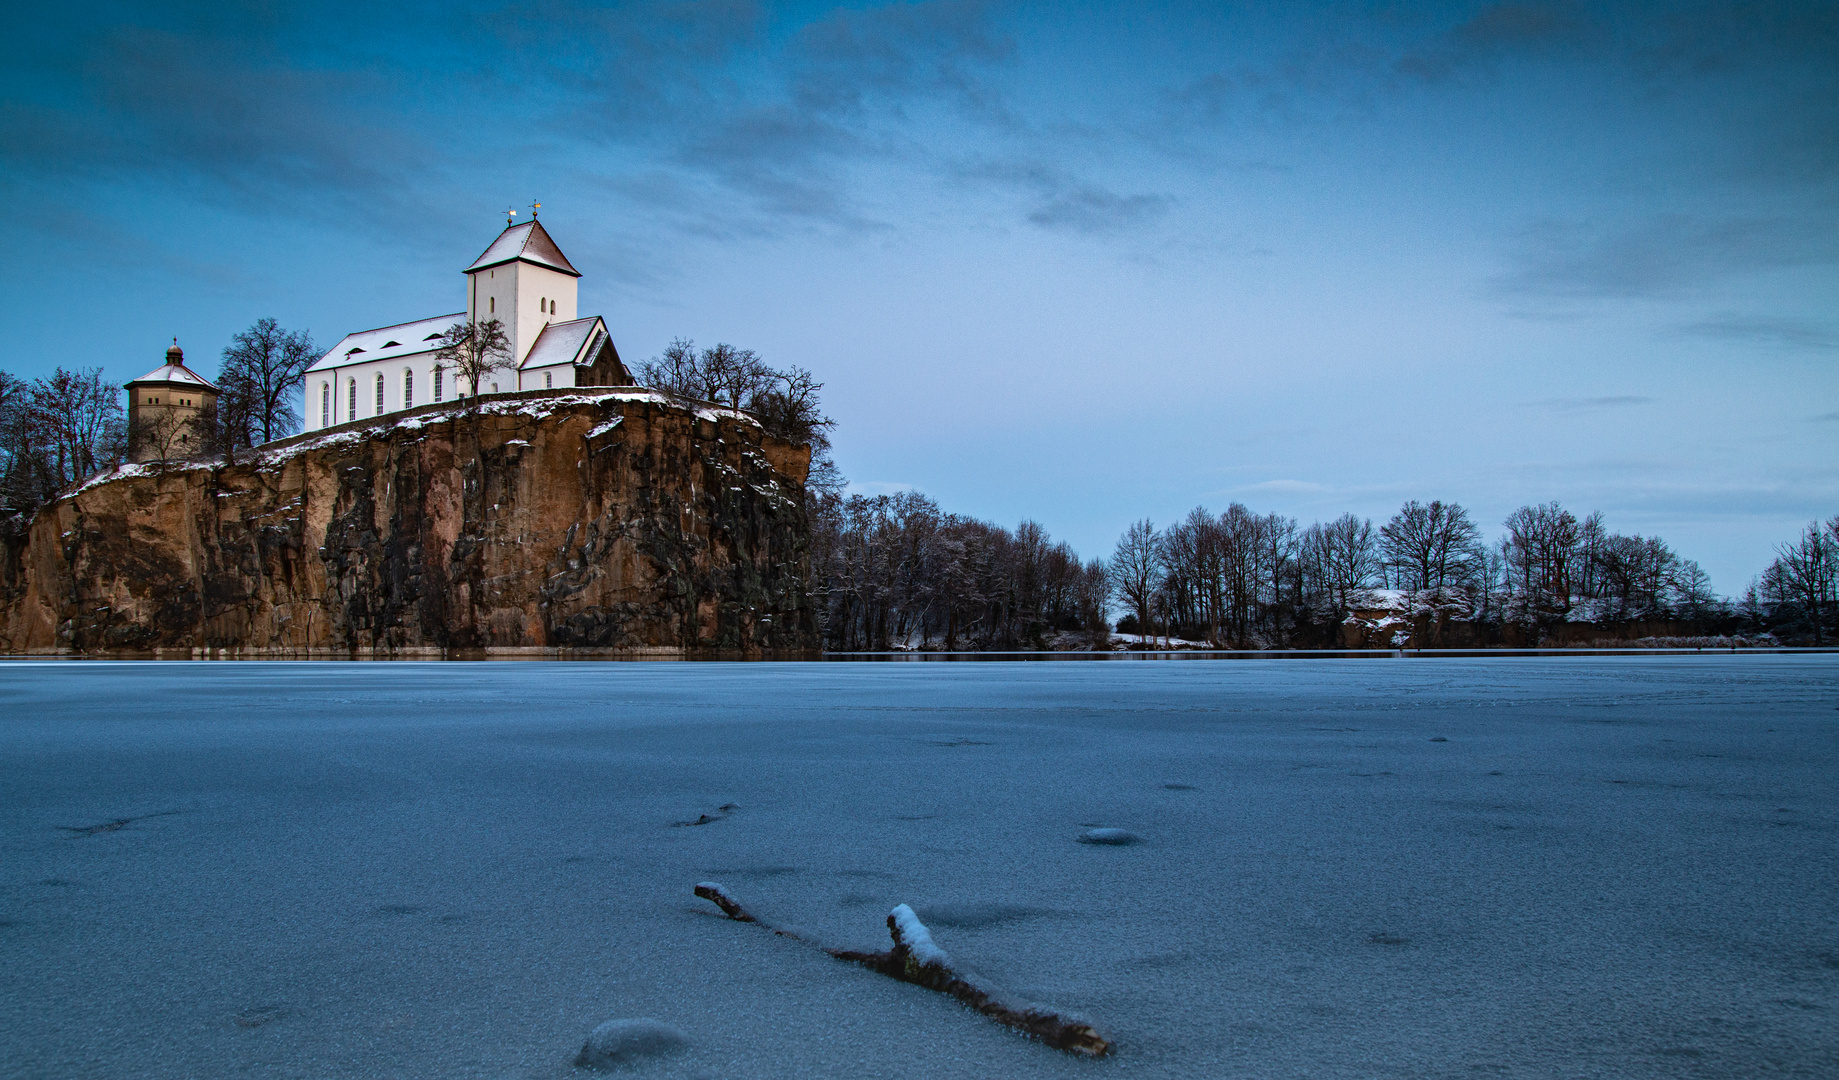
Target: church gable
[529,242]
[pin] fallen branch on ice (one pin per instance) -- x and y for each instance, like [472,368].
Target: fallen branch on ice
[916,959]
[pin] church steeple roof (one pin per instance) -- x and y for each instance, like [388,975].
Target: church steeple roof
[529,243]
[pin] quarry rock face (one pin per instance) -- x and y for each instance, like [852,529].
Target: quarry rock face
[612,520]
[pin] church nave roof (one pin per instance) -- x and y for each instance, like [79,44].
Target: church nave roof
[387,342]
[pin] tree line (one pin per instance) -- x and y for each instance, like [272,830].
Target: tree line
[1244,580]
[896,571]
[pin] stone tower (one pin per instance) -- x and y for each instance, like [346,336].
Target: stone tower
[171,411]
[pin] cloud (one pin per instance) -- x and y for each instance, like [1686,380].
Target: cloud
[1493,31]
[786,126]
[1090,209]
[848,59]
[1582,404]
[1285,487]
[1664,254]
[1782,332]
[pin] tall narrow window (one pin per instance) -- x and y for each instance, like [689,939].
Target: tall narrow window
[325,404]
[351,400]
[548,379]
[492,302]
[379,393]
[437,382]
[408,388]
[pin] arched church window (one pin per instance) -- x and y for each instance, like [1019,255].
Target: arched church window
[437,382]
[379,393]
[408,388]
[549,378]
[351,402]
[325,404]
[493,302]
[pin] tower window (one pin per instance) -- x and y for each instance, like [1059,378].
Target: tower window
[379,393]
[493,302]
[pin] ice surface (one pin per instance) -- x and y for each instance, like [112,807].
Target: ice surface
[629,1042]
[1113,837]
[1615,867]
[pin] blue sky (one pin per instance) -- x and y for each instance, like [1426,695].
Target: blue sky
[1077,264]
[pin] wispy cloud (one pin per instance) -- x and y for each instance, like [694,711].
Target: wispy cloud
[1664,254]
[1494,31]
[1583,404]
[1783,332]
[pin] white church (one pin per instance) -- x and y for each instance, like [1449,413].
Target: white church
[524,281]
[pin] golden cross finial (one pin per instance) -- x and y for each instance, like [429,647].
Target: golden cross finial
[510,216]
[534,207]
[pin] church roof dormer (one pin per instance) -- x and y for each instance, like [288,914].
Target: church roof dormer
[529,243]
[174,371]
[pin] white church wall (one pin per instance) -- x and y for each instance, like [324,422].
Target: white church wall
[548,377]
[525,298]
[408,382]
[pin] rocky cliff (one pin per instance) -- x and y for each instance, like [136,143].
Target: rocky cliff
[576,520]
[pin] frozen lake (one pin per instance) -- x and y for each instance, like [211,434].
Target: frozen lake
[1529,867]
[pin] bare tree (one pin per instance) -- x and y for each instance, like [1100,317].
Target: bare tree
[1431,545]
[237,416]
[475,350]
[1540,552]
[1136,571]
[1348,557]
[267,366]
[18,466]
[1692,594]
[77,423]
[1091,593]
[785,402]
[1805,573]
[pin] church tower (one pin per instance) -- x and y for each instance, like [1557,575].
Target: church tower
[171,411]
[525,282]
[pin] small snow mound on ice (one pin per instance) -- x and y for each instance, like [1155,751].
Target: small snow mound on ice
[917,939]
[621,1042]
[1114,837]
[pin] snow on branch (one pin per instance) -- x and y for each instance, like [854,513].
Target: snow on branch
[916,958]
